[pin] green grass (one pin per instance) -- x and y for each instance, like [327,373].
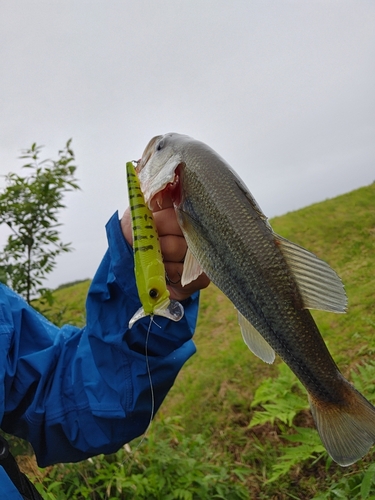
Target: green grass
[342,232]
[68,305]
[213,394]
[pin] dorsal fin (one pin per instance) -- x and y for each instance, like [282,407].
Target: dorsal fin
[319,285]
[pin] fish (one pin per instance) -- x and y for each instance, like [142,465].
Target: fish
[149,269]
[271,281]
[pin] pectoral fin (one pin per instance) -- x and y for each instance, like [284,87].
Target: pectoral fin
[192,269]
[254,341]
[319,285]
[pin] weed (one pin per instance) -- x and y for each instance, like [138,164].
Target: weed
[166,465]
[211,450]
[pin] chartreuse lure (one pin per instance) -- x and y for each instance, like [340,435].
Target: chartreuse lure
[148,261]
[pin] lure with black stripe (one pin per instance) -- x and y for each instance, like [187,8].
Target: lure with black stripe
[148,261]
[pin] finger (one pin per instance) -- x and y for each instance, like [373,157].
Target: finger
[166,222]
[173,248]
[162,204]
[173,273]
[177,291]
[126,226]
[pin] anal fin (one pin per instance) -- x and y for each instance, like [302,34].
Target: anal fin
[254,341]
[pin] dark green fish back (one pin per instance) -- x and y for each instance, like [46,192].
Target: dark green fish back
[237,248]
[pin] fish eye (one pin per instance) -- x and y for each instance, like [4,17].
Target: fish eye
[153,293]
[160,145]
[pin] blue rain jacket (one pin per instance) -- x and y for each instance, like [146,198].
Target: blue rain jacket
[74,393]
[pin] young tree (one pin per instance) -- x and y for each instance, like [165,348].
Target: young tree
[29,205]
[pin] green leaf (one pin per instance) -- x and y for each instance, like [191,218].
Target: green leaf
[367,481]
[30,206]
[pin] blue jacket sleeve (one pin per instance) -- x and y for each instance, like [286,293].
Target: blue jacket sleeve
[74,393]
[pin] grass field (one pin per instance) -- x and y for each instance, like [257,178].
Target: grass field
[213,394]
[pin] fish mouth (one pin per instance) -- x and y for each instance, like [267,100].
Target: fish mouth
[158,181]
[164,185]
[147,153]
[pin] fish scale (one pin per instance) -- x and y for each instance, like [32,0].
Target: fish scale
[272,316]
[272,282]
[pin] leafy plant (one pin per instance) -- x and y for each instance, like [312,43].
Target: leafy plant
[216,387]
[363,378]
[166,464]
[29,206]
[308,447]
[281,400]
[356,486]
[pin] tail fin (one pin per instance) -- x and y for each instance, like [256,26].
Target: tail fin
[347,429]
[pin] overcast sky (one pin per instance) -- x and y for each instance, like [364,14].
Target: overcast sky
[283,90]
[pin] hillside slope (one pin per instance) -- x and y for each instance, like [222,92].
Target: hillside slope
[340,231]
[224,373]
[213,393]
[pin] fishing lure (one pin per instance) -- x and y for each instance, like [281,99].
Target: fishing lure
[148,261]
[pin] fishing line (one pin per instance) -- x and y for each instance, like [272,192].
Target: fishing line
[151,387]
[149,377]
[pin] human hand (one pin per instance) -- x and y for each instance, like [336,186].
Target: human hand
[173,248]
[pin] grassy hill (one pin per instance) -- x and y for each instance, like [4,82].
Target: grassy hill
[214,391]
[340,231]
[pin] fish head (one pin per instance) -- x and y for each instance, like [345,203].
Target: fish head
[158,168]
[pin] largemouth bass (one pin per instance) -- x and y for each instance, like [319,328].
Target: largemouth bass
[148,261]
[271,281]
